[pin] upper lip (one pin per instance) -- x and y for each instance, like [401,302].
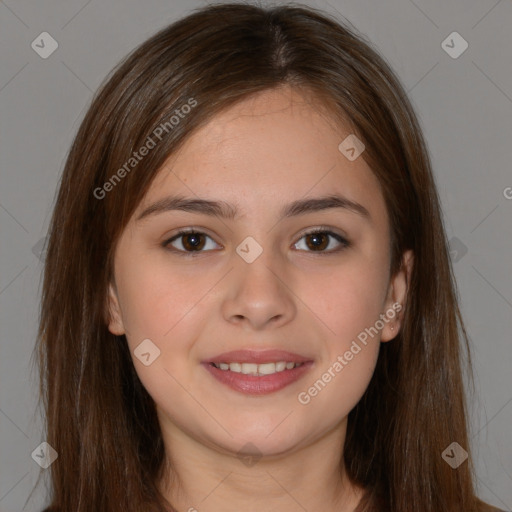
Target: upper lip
[257,356]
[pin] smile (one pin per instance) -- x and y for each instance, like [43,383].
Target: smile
[256,372]
[257,369]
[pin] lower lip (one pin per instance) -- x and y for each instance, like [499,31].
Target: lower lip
[253,385]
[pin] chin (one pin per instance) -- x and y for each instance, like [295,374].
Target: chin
[271,439]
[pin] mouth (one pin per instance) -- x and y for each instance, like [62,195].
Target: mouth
[258,372]
[257,369]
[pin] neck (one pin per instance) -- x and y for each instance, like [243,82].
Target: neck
[209,479]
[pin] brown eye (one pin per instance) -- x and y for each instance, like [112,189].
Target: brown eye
[190,242]
[193,241]
[317,241]
[320,240]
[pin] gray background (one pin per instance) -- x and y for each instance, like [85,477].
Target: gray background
[465,108]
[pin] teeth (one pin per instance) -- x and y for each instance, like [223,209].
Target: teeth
[257,369]
[235,367]
[280,366]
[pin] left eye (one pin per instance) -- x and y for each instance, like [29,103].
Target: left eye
[315,241]
[319,240]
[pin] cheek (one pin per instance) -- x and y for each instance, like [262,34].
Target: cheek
[348,299]
[157,297]
[350,306]
[347,302]
[168,308]
[339,385]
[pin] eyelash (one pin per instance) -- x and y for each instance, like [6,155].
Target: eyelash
[320,230]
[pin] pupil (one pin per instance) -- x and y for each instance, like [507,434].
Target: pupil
[318,241]
[193,241]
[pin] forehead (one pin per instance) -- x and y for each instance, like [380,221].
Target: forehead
[275,145]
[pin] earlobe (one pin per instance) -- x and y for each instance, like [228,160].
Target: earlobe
[397,297]
[115,321]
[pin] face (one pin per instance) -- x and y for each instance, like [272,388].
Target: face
[266,272]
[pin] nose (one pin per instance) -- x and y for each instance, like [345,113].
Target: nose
[258,295]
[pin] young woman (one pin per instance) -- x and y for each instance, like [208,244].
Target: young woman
[248,302]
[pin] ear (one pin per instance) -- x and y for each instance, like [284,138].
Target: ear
[395,303]
[115,319]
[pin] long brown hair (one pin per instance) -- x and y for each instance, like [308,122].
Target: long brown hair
[100,419]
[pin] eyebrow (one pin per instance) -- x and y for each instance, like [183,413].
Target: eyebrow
[228,211]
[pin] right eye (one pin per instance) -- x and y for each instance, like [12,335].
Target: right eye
[188,241]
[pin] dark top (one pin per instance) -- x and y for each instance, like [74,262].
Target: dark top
[493,510]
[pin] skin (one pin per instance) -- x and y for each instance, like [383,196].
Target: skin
[267,151]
